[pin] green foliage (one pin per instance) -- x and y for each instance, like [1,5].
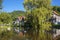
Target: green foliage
[5,18]
[56,26]
[9,17]
[41,12]
[17,14]
[57,9]
[6,35]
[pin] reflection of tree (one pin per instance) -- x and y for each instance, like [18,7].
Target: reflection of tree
[32,31]
[57,37]
[18,24]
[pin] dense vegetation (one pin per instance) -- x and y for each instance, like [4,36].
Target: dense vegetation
[57,9]
[17,14]
[6,20]
[37,25]
[39,12]
[8,17]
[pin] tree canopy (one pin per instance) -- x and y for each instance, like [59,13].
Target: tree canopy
[17,14]
[5,18]
[57,9]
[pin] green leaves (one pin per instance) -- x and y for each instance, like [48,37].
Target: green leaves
[5,18]
[17,14]
[41,12]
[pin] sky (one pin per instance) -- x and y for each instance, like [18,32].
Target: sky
[11,5]
[55,3]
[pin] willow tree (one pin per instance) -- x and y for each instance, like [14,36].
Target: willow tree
[41,12]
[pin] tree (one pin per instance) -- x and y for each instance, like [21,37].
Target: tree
[41,12]
[17,14]
[56,8]
[5,18]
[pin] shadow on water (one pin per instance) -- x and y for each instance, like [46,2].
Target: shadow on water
[10,35]
[57,37]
